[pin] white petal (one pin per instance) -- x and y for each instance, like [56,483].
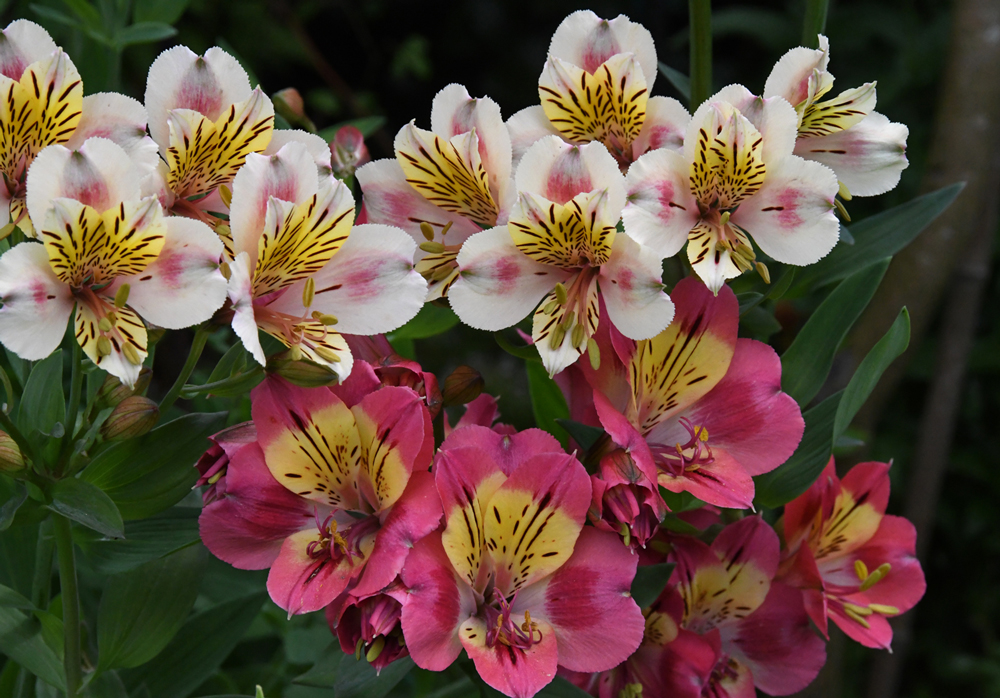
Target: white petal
[288,175]
[792,216]
[99,174]
[36,304]
[180,79]
[633,291]
[868,157]
[317,147]
[526,127]
[664,126]
[369,285]
[558,171]
[240,293]
[499,285]
[776,120]
[586,40]
[454,112]
[184,286]
[661,210]
[120,119]
[791,75]
[23,43]
[389,199]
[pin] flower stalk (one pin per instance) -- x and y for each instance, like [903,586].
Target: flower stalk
[815,22]
[197,345]
[70,603]
[700,12]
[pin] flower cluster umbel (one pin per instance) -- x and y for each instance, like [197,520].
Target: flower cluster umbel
[500,544]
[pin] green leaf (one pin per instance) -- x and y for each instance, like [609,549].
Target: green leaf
[583,434]
[680,81]
[145,540]
[85,11]
[749,300]
[53,15]
[877,237]
[12,495]
[166,11]
[357,679]
[12,599]
[561,688]
[649,582]
[323,673]
[807,362]
[432,320]
[142,610]
[524,351]
[197,650]
[680,501]
[22,641]
[144,33]
[43,404]
[107,684]
[232,362]
[236,385]
[887,350]
[788,481]
[86,504]
[155,471]
[547,401]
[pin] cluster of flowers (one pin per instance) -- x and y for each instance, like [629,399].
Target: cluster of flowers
[567,211]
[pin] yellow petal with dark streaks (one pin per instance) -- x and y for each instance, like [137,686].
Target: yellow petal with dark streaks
[566,236]
[128,329]
[728,165]
[838,114]
[449,174]
[55,91]
[298,241]
[608,105]
[202,155]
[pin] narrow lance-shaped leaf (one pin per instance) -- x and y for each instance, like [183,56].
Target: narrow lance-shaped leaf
[86,504]
[547,401]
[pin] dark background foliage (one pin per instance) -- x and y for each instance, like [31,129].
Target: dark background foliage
[387,59]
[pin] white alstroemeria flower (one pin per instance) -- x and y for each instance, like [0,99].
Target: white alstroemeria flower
[205,119]
[845,133]
[734,179]
[300,269]
[43,104]
[561,244]
[444,184]
[108,252]
[595,87]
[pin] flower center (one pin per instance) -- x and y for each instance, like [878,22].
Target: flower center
[340,545]
[688,456]
[504,631]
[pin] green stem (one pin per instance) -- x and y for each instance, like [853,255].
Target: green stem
[197,345]
[75,390]
[815,22]
[700,12]
[70,603]
[41,583]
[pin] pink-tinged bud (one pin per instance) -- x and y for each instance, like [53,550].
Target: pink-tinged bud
[133,417]
[348,152]
[289,104]
[625,501]
[11,458]
[305,374]
[113,391]
[371,626]
[212,466]
[463,386]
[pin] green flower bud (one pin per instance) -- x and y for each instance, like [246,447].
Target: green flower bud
[303,373]
[11,458]
[132,417]
[463,386]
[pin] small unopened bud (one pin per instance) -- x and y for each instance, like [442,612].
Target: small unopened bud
[432,247]
[290,105]
[376,649]
[426,230]
[112,391]
[132,354]
[561,294]
[226,194]
[308,292]
[305,374]
[11,458]
[348,151]
[463,386]
[133,417]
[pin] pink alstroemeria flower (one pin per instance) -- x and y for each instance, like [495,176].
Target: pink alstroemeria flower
[595,87]
[854,564]
[561,251]
[514,577]
[393,369]
[864,148]
[334,492]
[698,409]
[764,636]
[371,625]
[736,178]
[444,184]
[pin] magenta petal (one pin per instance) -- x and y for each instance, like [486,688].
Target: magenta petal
[512,671]
[747,414]
[801,511]
[414,515]
[878,634]
[506,450]
[869,482]
[361,382]
[247,527]
[686,665]
[778,644]
[625,435]
[588,604]
[301,583]
[749,540]
[438,603]
[894,542]
[723,482]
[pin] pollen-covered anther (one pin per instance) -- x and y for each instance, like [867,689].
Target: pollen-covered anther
[324,319]
[131,354]
[308,292]
[426,230]
[875,577]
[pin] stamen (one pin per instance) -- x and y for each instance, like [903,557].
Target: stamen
[226,195]
[841,210]
[376,649]
[131,354]
[724,218]
[594,353]
[875,577]
[764,273]
[104,325]
[561,296]
[103,346]
[446,228]
[308,292]
[884,609]
[860,610]
[557,337]
[296,352]
[550,307]
[861,569]
[7,230]
[327,354]
[432,247]
[426,230]
[844,192]
[121,296]
[856,618]
[226,273]
[324,319]
[578,337]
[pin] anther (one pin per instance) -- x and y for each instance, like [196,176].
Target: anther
[844,192]
[884,609]
[426,230]
[578,337]
[226,195]
[446,228]
[569,320]
[103,346]
[226,272]
[861,569]
[550,307]
[327,354]
[432,247]
[557,337]
[131,354]
[308,291]
[296,352]
[324,319]
[358,648]
[860,610]
[376,649]
[764,273]
[724,219]
[594,353]
[841,210]
[121,296]
[561,294]
[105,325]
[7,230]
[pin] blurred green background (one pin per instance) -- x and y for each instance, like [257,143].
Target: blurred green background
[387,58]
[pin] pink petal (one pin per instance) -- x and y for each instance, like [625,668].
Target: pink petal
[664,126]
[299,583]
[660,209]
[360,383]
[625,435]
[24,43]
[508,451]
[748,541]
[632,290]
[36,304]
[526,127]
[587,41]
[120,119]
[558,171]
[512,671]
[723,482]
